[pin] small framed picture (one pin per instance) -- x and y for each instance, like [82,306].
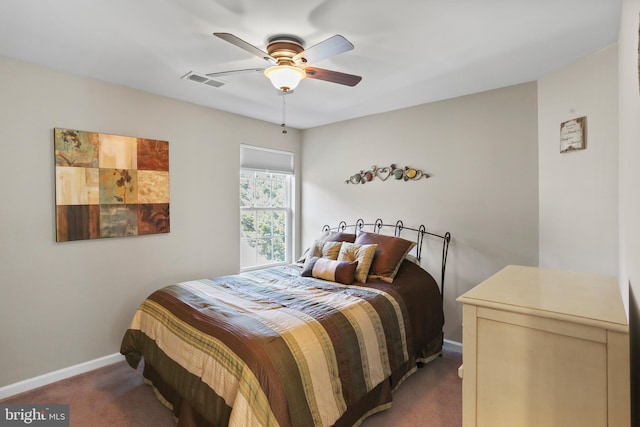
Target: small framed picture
[573,135]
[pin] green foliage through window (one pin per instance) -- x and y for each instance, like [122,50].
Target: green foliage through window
[264,218]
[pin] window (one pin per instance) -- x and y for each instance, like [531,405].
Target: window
[266,218]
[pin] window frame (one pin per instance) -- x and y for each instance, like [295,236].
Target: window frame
[289,182]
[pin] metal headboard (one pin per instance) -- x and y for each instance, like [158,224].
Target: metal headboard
[399,227]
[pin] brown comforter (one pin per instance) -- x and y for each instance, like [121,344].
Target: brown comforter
[272,348]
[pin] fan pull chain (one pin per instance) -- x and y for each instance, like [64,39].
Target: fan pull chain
[283,125]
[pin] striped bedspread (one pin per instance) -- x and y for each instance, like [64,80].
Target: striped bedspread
[271,348]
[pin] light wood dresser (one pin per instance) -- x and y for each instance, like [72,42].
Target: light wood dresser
[545,348]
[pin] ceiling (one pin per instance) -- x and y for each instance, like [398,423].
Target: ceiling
[408,52]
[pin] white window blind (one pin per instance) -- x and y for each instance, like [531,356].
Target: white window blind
[265,159]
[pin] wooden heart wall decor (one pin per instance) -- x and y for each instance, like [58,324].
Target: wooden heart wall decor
[407,173]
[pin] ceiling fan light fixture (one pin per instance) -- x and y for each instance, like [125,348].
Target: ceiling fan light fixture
[285,77]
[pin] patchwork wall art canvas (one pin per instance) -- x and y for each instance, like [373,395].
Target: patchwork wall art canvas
[110,185]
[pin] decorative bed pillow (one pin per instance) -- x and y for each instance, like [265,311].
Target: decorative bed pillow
[327,236]
[331,249]
[328,250]
[341,237]
[362,253]
[390,253]
[324,249]
[332,270]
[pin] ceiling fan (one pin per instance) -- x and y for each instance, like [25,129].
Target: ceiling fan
[289,61]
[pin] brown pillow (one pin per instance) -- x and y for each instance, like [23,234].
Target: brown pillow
[341,237]
[390,253]
[334,271]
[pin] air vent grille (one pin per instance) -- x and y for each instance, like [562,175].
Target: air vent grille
[214,83]
[201,78]
[197,78]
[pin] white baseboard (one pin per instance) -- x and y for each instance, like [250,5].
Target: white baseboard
[452,345]
[61,374]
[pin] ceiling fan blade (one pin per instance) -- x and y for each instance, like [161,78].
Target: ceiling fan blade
[227,73]
[325,49]
[236,41]
[332,76]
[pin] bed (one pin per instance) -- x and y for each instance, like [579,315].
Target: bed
[321,342]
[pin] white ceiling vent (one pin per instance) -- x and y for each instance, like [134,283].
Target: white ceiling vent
[201,78]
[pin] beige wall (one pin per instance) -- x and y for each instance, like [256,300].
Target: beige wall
[579,189]
[482,152]
[68,303]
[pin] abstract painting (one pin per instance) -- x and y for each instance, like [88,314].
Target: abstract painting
[110,185]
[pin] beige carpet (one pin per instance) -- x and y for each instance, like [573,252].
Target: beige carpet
[115,396]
